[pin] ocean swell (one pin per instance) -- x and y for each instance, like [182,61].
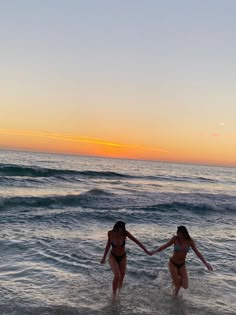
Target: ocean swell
[103,199]
[27,171]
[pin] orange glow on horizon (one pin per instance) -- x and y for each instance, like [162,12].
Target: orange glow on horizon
[71,144]
[66,144]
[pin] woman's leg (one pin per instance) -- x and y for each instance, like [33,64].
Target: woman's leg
[175,276]
[183,277]
[122,268]
[115,268]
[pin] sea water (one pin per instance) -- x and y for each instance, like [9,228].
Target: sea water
[55,211]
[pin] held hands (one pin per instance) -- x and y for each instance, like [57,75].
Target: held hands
[147,252]
[153,252]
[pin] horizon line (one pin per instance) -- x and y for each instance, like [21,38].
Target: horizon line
[25,150]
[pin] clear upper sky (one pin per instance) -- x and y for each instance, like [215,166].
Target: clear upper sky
[131,78]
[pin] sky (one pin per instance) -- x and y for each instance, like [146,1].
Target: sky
[135,79]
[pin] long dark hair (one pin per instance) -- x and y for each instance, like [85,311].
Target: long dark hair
[182,229]
[119,226]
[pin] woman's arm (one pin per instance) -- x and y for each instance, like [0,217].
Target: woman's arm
[129,235]
[200,256]
[168,244]
[106,249]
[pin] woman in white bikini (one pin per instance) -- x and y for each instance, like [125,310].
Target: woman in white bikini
[117,256]
[182,243]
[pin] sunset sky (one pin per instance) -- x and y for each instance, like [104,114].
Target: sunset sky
[132,78]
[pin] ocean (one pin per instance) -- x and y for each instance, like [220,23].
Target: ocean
[56,210]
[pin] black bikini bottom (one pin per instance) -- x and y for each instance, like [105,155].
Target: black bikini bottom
[177,265]
[118,258]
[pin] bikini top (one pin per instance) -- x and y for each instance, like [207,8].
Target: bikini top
[178,248]
[114,245]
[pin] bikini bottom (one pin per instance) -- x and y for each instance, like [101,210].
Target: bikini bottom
[178,266]
[118,258]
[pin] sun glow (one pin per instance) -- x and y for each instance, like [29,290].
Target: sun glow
[55,142]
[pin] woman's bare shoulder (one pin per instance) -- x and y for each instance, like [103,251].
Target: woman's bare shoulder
[174,238]
[127,233]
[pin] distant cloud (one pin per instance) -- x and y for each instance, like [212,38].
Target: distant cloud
[97,141]
[223,136]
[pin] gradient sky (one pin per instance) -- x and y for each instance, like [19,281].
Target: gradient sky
[132,78]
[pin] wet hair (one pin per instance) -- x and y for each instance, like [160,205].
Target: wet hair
[182,229]
[119,225]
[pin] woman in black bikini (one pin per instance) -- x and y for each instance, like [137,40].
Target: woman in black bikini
[182,244]
[117,257]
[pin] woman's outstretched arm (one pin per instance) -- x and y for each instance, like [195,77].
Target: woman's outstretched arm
[168,244]
[108,245]
[200,256]
[129,235]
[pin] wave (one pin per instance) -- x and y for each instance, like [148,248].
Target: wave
[28,171]
[96,192]
[11,181]
[15,170]
[99,199]
[87,199]
[182,178]
[176,206]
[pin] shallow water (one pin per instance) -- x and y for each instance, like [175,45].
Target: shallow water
[55,211]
